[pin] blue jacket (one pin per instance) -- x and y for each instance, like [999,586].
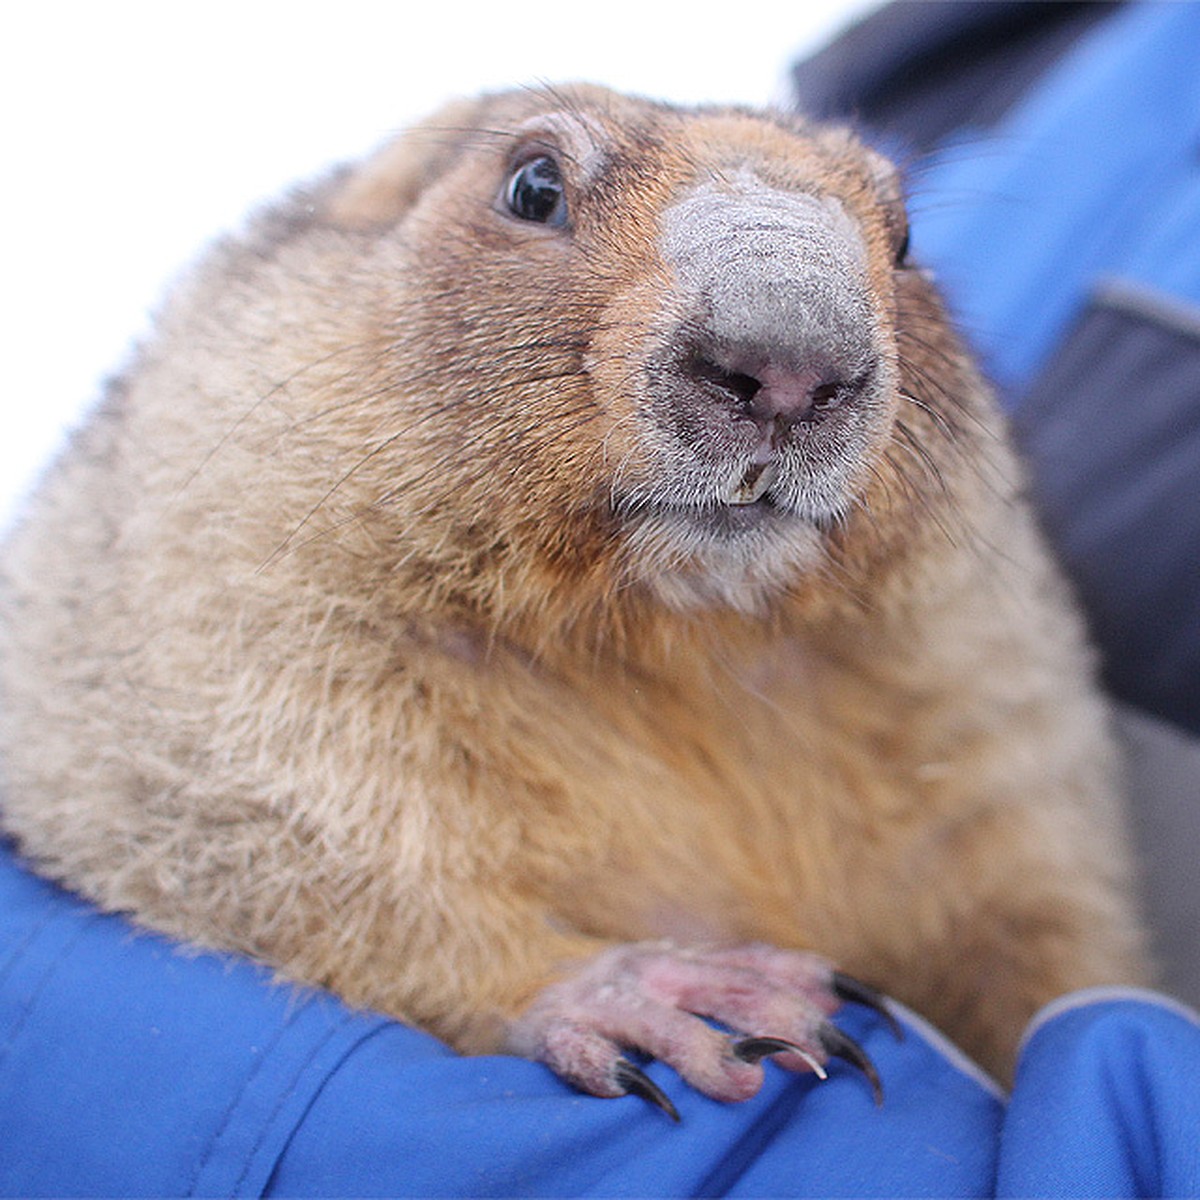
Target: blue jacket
[131,1068]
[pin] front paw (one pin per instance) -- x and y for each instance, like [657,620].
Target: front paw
[651,997]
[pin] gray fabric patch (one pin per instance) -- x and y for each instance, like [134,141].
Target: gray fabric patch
[1164,792]
[1112,429]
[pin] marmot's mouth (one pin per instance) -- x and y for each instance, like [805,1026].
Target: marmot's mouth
[709,553]
[717,520]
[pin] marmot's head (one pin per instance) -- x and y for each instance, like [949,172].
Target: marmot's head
[603,346]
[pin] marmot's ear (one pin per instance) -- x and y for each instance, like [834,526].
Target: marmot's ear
[379,191]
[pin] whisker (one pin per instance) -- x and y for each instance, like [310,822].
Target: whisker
[552,425]
[916,447]
[939,421]
[258,403]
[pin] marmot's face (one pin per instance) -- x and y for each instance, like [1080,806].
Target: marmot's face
[674,326]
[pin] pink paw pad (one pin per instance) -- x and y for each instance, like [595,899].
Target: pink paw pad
[652,998]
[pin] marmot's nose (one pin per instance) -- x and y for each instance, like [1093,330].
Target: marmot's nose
[775,293]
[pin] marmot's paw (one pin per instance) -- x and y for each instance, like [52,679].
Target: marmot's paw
[646,996]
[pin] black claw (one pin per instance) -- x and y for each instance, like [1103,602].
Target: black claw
[635,1082]
[755,1049]
[846,987]
[840,1045]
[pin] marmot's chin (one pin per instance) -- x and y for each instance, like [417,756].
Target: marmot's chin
[721,555]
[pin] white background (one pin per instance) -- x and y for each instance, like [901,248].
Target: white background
[134,131]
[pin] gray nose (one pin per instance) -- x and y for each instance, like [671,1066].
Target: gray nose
[774,285]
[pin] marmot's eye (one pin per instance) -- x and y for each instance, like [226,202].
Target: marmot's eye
[535,192]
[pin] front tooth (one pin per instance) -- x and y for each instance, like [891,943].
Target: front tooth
[753,483]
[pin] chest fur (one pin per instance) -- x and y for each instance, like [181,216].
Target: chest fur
[753,796]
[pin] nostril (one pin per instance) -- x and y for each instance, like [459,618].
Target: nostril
[828,395]
[825,398]
[740,386]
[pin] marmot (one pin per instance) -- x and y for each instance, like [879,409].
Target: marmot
[560,577]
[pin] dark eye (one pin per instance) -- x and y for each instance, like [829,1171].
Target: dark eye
[535,192]
[902,247]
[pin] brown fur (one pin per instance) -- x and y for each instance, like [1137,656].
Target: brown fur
[323,643]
